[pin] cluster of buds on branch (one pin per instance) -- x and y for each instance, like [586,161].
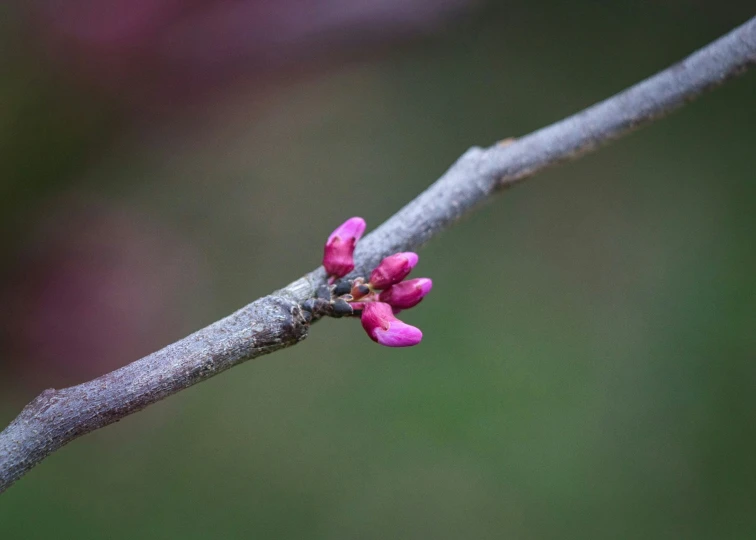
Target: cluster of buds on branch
[376,300]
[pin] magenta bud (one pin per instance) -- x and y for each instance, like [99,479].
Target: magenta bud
[406,294]
[338,254]
[393,269]
[380,324]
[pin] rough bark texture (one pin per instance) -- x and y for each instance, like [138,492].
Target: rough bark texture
[56,417]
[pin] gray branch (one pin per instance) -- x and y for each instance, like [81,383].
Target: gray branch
[56,417]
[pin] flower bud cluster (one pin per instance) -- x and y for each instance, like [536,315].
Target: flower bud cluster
[377,300]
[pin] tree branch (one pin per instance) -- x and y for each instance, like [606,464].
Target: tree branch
[56,417]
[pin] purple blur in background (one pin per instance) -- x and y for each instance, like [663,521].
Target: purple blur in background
[157,53]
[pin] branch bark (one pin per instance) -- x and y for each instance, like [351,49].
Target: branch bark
[56,417]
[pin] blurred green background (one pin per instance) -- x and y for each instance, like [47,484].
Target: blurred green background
[588,363]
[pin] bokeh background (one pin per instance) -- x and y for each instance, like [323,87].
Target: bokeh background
[588,369]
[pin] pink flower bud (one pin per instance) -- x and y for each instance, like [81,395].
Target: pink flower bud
[379,322]
[338,254]
[406,294]
[393,269]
